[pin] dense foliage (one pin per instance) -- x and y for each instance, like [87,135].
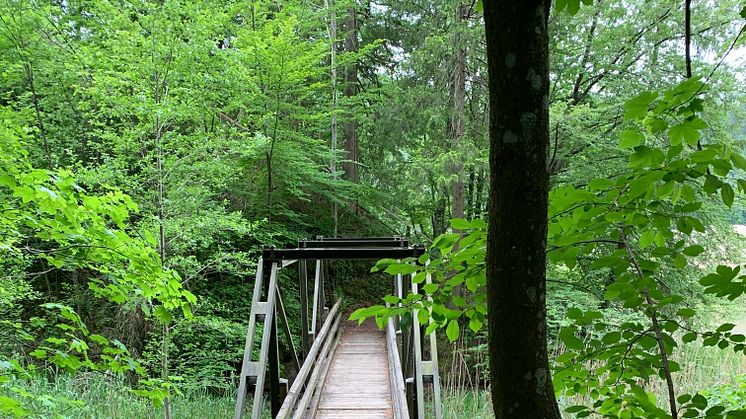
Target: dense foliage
[148,150]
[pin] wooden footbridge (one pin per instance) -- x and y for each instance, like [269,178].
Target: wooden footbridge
[344,371]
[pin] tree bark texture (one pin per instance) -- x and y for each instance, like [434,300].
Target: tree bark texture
[351,29]
[518,63]
[456,122]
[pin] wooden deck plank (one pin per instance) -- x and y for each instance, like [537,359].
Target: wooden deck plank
[357,384]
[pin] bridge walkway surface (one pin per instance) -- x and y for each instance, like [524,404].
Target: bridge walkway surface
[358,384]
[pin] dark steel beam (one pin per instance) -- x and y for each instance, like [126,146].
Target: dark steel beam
[340,253]
[331,239]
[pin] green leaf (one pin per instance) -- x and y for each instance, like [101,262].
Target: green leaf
[567,336]
[475,324]
[631,138]
[693,250]
[726,327]
[430,288]
[402,268]
[391,299]
[423,316]
[686,312]
[712,184]
[445,242]
[646,238]
[637,107]
[460,224]
[576,409]
[573,6]
[452,331]
[727,194]
[420,277]
[163,315]
[633,301]
[738,161]
[666,189]
[699,401]
[38,353]
[611,337]
[683,132]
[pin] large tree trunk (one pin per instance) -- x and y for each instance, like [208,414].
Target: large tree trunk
[351,29]
[457,118]
[518,62]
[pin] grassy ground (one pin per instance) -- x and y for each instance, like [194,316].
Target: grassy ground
[102,398]
[106,399]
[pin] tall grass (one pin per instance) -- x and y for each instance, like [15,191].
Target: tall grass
[467,403]
[105,398]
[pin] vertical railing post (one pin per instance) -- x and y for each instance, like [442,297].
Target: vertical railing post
[424,367]
[263,312]
[315,320]
[322,294]
[248,349]
[274,352]
[303,280]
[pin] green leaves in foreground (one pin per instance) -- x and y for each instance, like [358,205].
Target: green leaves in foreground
[572,6]
[436,274]
[46,217]
[632,229]
[70,229]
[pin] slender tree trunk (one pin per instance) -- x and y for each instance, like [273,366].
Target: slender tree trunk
[478,206]
[351,29]
[688,50]
[577,96]
[162,245]
[653,313]
[159,94]
[457,118]
[688,37]
[518,63]
[470,192]
[332,16]
[28,68]
[272,143]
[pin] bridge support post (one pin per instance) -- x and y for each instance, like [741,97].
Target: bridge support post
[303,278]
[273,350]
[423,368]
[263,312]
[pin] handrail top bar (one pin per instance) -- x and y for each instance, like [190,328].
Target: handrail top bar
[333,253]
[353,243]
[331,239]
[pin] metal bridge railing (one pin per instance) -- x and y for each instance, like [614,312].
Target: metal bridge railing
[410,365]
